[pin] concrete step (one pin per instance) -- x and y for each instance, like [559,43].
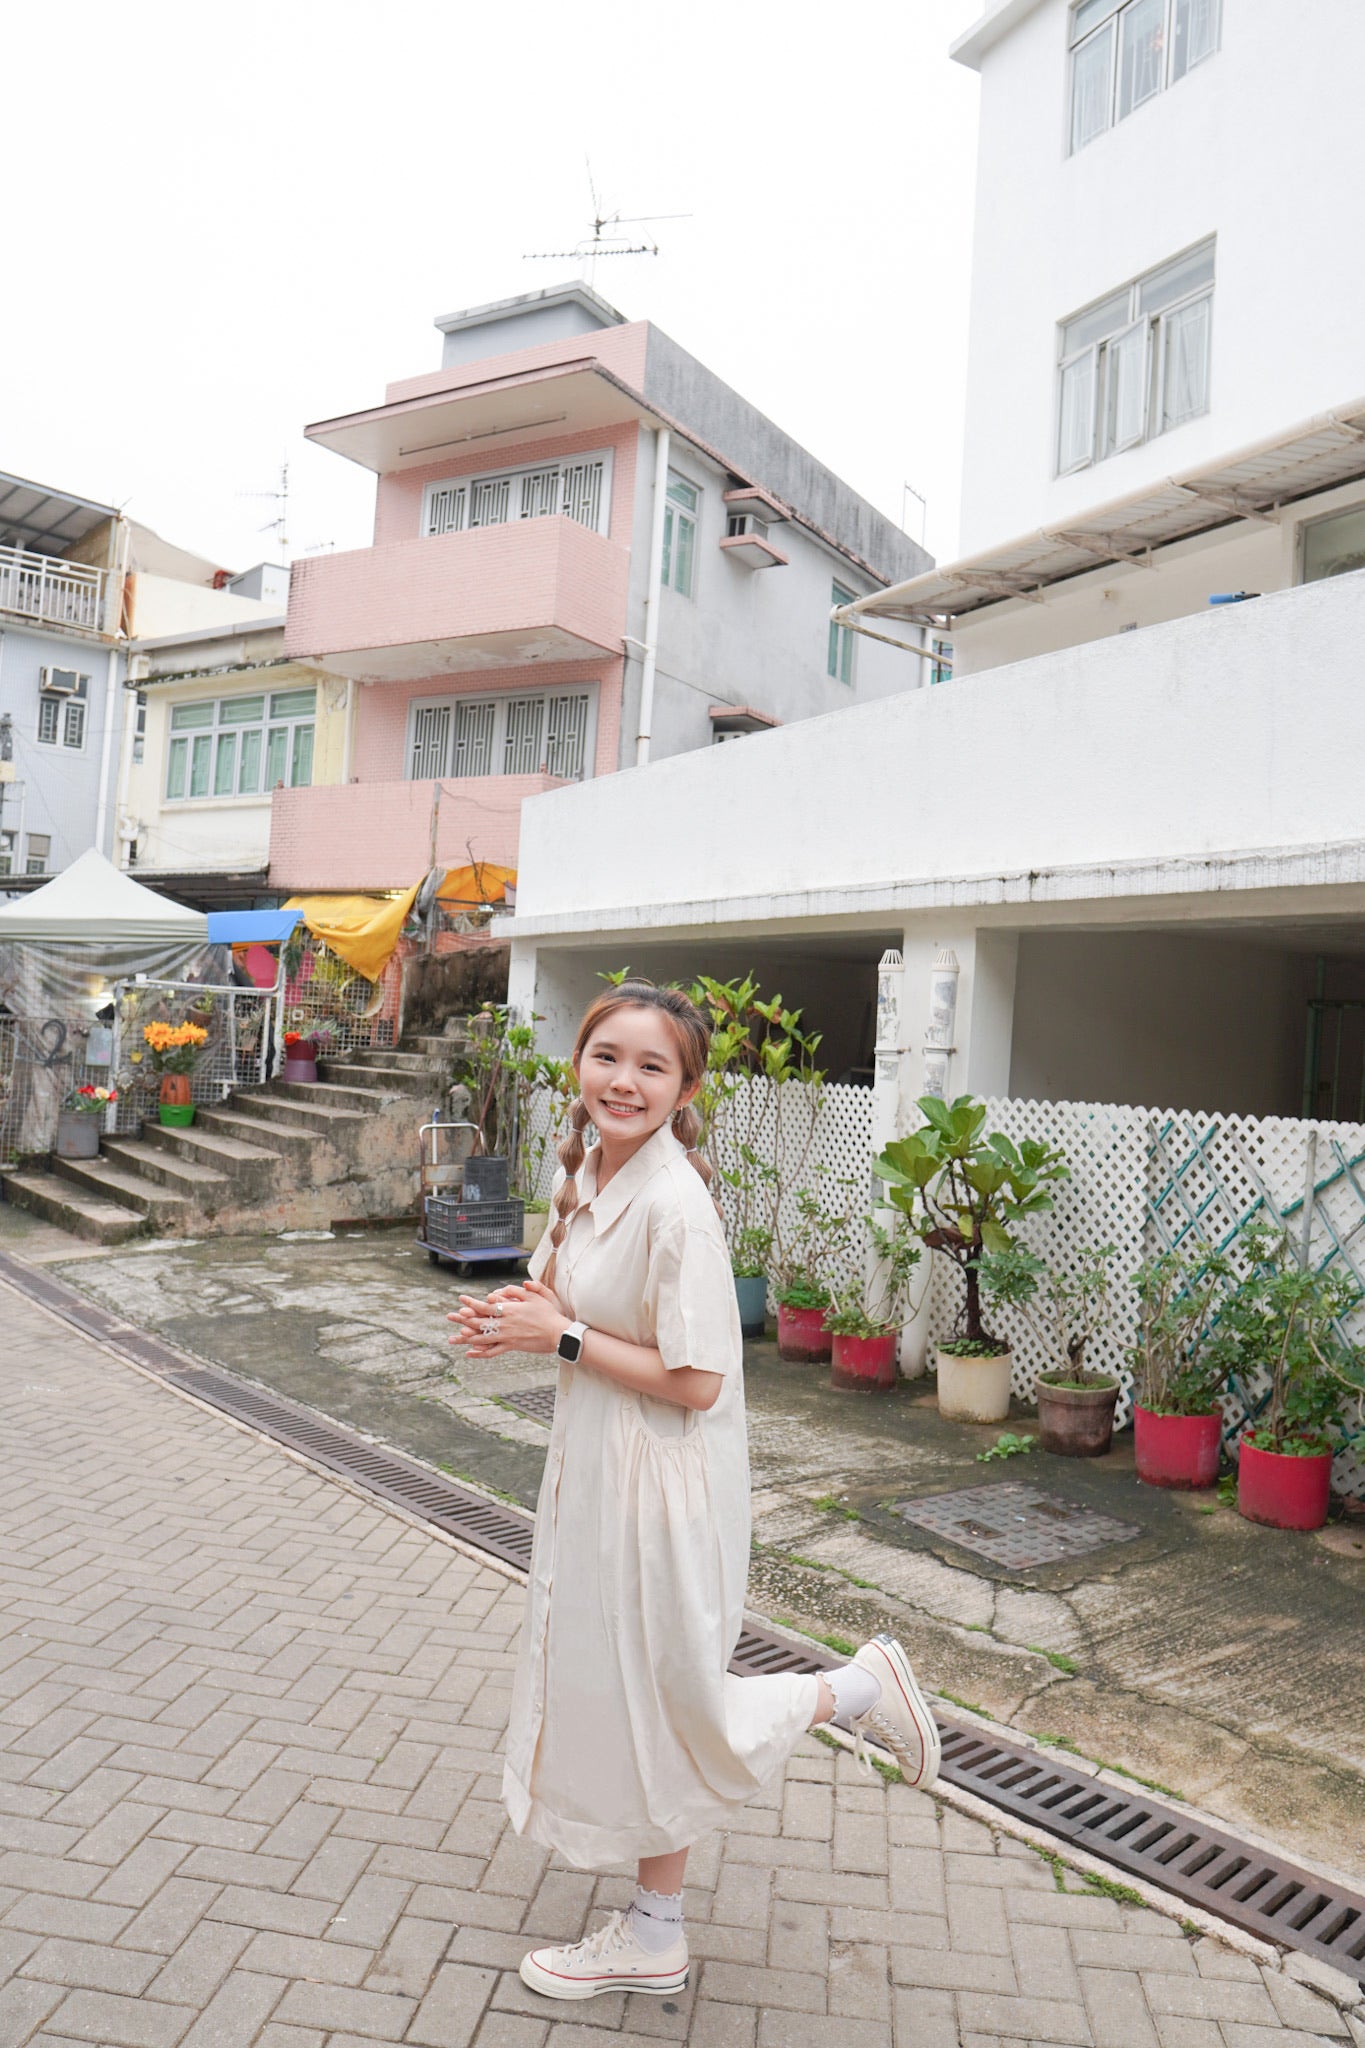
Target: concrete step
[186,1177]
[391,1058]
[392,1080]
[273,1136]
[224,1151]
[332,1095]
[294,1106]
[162,1208]
[71,1208]
[435,1045]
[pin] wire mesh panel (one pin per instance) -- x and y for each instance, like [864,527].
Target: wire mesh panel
[240,1049]
[342,1011]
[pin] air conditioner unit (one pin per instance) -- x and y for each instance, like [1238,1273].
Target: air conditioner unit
[59,682]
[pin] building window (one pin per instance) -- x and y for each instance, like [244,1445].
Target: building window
[140,728]
[548,733]
[240,746]
[1137,363]
[37,852]
[941,667]
[1125,51]
[1333,546]
[839,655]
[578,488]
[8,844]
[680,533]
[62,708]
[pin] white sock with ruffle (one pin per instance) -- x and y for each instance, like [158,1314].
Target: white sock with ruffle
[854,1689]
[656,1919]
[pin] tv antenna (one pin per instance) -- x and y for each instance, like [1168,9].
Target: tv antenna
[279,526]
[604,240]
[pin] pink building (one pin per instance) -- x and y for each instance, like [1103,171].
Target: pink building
[574,528]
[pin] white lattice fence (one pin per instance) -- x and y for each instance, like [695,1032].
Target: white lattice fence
[824,1137]
[1103,1203]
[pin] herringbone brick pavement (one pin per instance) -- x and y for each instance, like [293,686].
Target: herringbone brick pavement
[249,1726]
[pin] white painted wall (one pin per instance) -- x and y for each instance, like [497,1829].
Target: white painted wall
[1258,145]
[1227,733]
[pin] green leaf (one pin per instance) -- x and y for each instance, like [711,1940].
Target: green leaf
[995,1237]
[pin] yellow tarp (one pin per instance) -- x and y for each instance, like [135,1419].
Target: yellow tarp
[485,882]
[362,930]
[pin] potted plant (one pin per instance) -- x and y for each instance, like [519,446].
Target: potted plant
[175,1050]
[300,1057]
[78,1121]
[1064,1311]
[817,1248]
[535,1221]
[1283,1321]
[867,1312]
[749,1251]
[1178,1370]
[962,1192]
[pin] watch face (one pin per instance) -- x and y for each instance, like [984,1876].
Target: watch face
[570,1344]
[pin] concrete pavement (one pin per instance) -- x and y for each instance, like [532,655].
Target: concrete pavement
[249,1733]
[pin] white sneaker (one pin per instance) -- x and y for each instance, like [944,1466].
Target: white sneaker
[610,1960]
[901,1719]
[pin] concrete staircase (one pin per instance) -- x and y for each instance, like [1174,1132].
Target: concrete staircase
[293,1155]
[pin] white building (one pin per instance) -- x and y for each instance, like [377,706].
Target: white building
[1133,814]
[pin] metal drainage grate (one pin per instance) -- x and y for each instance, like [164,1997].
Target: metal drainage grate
[1014,1525]
[537,1402]
[1265,1895]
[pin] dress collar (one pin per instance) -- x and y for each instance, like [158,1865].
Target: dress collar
[624,1185]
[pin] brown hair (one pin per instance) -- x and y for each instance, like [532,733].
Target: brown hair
[693,1036]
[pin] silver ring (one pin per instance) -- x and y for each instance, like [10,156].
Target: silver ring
[499,1308]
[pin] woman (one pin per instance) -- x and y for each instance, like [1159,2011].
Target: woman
[628,1737]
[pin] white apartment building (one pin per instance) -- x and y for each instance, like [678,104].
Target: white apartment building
[1133,814]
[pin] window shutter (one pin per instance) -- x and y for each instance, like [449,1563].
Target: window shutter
[445,509]
[540,492]
[566,737]
[490,501]
[1126,381]
[582,493]
[525,726]
[430,741]
[474,739]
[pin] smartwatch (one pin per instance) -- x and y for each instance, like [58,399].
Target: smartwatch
[570,1345]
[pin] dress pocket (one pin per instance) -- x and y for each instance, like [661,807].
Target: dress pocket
[666,1423]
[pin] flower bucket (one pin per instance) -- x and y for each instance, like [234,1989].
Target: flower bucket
[176,1116]
[865,1365]
[751,1293]
[299,1070]
[175,1088]
[1176,1450]
[1281,1490]
[78,1134]
[802,1336]
[973,1389]
[1076,1422]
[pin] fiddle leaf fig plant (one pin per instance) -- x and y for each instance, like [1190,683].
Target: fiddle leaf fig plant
[964,1191]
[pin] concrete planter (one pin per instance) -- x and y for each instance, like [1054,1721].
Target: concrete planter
[973,1389]
[1076,1422]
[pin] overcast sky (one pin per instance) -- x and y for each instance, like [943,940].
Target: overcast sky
[227,222]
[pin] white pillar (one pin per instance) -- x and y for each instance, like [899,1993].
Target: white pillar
[521,979]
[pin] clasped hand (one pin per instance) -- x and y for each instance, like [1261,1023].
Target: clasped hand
[527,1317]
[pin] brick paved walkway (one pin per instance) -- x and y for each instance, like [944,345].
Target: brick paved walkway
[249,1727]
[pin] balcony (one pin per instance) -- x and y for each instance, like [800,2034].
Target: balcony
[495,597]
[51,592]
[379,835]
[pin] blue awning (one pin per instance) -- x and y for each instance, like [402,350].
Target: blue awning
[251,927]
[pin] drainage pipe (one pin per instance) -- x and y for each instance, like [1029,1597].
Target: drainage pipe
[652,595]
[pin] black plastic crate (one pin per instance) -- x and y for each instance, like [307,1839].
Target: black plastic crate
[454,1226]
[485,1178]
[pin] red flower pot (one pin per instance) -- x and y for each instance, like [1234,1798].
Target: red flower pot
[1176,1450]
[802,1336]
[1283,1491]
[865,1364]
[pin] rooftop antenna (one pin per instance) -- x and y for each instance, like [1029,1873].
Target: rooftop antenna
[279,526]
[600,242]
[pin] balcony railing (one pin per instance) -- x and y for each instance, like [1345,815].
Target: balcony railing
[50,591]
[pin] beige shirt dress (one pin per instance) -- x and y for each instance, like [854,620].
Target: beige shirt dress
[628,1736]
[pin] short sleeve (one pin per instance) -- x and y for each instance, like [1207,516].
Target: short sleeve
[689,1296]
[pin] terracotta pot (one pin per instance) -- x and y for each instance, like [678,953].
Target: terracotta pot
[1177,1450]
[1076,1422]
[175,1088]
[802,1336]
[299,1070]
[78,1134]
[973,1389]
[1282,1491]
[751,1293]
[865,1365]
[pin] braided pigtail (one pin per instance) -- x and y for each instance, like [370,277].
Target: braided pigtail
[687,1131]
[571,1151]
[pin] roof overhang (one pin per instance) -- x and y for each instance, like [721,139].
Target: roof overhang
[569,398]
[45,521]
[1254,483]
[999,18]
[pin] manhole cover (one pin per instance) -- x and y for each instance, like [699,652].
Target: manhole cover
[537,1402]
[1015,1525]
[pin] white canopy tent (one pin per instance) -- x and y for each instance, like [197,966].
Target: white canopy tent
[91,903]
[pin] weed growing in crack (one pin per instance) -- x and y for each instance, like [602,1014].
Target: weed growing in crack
[828,1505]
[1067,1665]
